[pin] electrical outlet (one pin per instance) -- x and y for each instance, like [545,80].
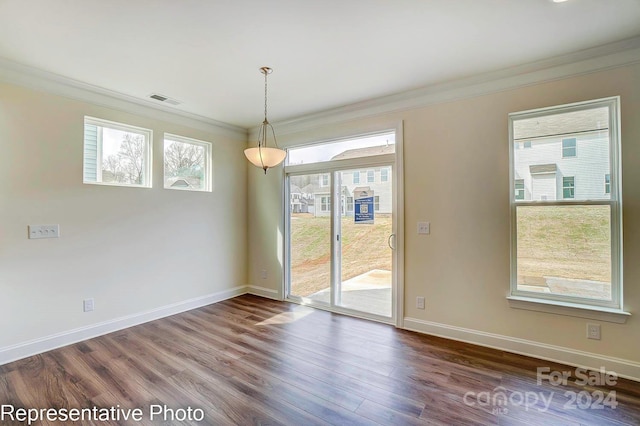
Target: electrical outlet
[420,302]
[87,305]
[263,274]
[593,331]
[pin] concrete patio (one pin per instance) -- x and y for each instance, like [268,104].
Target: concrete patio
[369,292]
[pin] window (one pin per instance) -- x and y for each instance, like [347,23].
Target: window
[325,204]
[324,180]
[364,146]
[384,175]
[568,147]
[356,177]
[567,250]
[349,204]
[527,144]
[519,189]
[376,203]
[568,187]
[116,154]
[371,177]
[187,163]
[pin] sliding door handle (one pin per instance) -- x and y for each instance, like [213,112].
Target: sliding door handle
[392,247]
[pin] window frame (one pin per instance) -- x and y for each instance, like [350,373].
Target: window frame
[325,203]
[520,192]
[350,204]
[573,148]
[606,310]
[384,174]
[568,185]
[208,161]
[114,125]
[371,176]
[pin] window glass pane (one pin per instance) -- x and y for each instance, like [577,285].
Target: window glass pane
[116,154]
[370,176]
[186,164]
[569,147]
[519,189]
[553,154]
[310,238]
[568,187]
[564,250]
[352,148]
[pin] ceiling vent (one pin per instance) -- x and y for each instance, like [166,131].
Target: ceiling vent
[164,99]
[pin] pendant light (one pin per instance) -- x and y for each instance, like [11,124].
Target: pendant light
[262,156]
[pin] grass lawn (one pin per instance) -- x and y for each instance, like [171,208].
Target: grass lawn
[564,241]
[364,247]
[556,241]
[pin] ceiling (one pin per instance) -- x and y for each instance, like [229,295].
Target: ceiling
[325,54]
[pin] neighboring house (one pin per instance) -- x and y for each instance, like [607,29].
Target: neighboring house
[562,166]
[299,200]
[376,179]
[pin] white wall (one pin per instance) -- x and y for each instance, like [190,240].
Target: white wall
[456,170]
[133,250]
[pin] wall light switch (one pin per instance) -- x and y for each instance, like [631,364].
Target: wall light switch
[87,305]
[424,228]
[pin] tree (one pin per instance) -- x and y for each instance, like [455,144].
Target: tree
[184,160]
[127,166]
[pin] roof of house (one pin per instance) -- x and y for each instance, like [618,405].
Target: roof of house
[366,152]
[561,124]
[309,189]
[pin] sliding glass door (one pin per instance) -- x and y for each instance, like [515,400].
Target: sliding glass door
[341,231]
[366,233]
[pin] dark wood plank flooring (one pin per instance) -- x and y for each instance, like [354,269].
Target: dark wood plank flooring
[251,360]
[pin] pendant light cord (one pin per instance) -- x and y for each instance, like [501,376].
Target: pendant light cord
[265,97]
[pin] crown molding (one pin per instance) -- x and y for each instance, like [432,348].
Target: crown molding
[36,79]
[586,61]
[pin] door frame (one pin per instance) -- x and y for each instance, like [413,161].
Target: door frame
[396,163]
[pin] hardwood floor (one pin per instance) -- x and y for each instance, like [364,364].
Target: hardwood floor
[251,360]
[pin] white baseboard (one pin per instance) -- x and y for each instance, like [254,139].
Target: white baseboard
[44,344]
[623,368]
[263,292]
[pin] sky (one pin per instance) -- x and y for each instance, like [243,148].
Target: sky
[325,151]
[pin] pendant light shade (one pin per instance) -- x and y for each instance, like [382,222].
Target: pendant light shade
[263,156]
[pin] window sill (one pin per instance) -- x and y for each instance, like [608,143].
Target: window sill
[617,316]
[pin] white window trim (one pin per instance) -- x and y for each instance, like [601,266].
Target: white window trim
[569,187]
[148,152]
[208,161]
[395,161]
[574,306]
[371,173]
[384,174]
